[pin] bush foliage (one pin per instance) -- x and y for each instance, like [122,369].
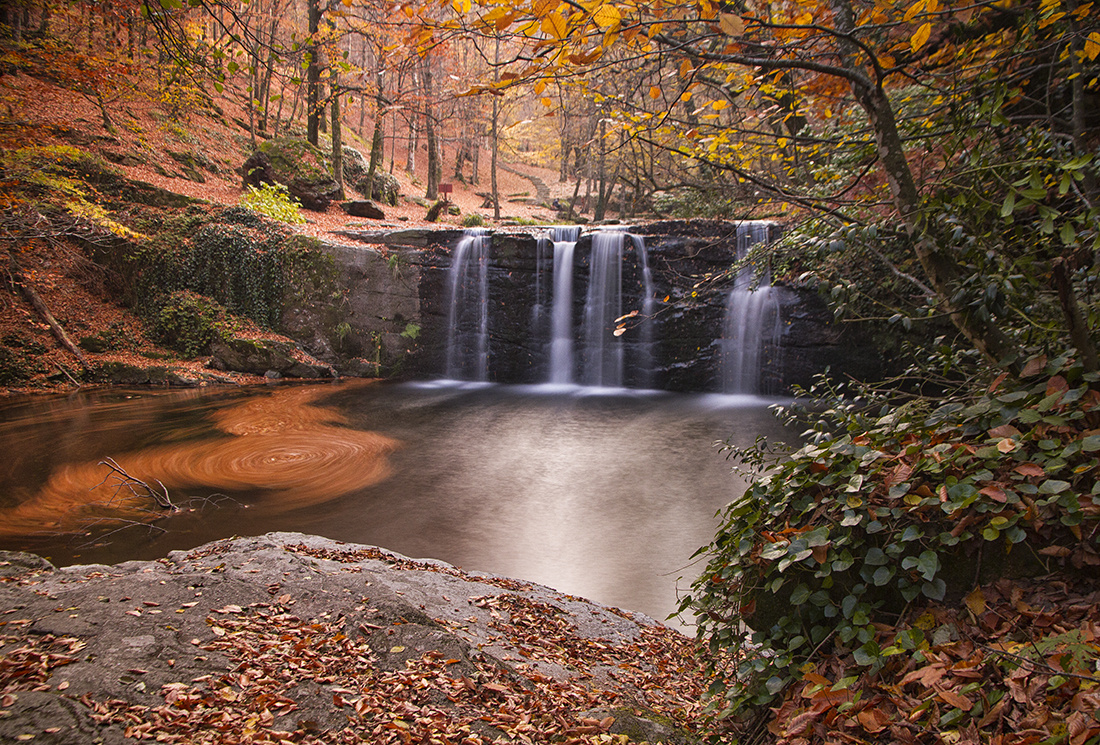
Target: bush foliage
[274,201]
[890,506]
[189,323]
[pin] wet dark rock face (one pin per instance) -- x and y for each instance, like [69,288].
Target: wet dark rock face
[686,259]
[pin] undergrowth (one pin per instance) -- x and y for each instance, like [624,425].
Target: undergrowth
[837,551]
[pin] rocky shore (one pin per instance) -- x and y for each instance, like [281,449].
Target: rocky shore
[289,638]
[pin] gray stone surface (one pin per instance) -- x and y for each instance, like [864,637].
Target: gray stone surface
[135,630]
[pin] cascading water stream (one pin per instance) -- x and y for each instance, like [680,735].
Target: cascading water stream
[603,350]
[468,308]
[752,318]
[561,329]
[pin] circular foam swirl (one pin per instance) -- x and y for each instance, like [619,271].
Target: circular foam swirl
[284,447]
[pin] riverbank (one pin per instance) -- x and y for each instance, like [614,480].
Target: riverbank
[294,638]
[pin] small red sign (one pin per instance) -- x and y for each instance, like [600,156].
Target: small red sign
[446,188]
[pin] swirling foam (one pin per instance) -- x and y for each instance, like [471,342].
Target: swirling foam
[282,445]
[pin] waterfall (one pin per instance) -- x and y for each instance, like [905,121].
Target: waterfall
[468,308]
[603,350]
[561,323]
[752,318]
[564,240]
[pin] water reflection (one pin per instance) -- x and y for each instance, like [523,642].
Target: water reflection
[603,494]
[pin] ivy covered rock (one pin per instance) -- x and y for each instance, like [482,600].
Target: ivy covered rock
[298,165]
[840,548]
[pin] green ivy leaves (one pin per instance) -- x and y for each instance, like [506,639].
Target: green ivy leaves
[887,509]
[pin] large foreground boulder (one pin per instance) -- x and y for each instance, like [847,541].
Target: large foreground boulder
[293,638]
[299,166]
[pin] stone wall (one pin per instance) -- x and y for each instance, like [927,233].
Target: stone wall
[389,280]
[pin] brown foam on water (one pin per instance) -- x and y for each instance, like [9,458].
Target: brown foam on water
[282,444]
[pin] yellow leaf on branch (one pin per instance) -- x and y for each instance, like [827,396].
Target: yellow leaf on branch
[921,37]
[607,16]
[913,10]
[554,26]
[1092,45]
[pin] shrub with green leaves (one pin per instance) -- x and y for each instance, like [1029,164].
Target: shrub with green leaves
[274,201]
[890,506]
[188,323]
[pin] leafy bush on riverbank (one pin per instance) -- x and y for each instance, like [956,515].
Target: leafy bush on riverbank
[875,554]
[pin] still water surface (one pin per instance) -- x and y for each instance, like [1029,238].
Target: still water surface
[603,494]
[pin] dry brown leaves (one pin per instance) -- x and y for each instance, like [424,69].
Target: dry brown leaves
[432,700]
[1014,665]
[399,562]
[26,663]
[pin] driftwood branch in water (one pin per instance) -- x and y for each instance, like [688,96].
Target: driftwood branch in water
[125,480]
[43,310]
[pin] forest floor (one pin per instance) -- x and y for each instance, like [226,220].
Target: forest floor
[161,144]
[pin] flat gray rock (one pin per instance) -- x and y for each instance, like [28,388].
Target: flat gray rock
[290,636]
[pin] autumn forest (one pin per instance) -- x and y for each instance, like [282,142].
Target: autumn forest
[925,567]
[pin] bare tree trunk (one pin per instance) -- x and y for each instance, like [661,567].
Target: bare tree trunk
[1079,332]
[313,75]
[495,135]
[337,138]
[43,310]
[435,165]
[378,140]
[943,272]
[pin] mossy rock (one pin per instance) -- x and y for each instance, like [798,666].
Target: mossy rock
[263,356]
[123,373]
[356,165]
[17,367]
[384,188]
[298,165]
[640,725]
